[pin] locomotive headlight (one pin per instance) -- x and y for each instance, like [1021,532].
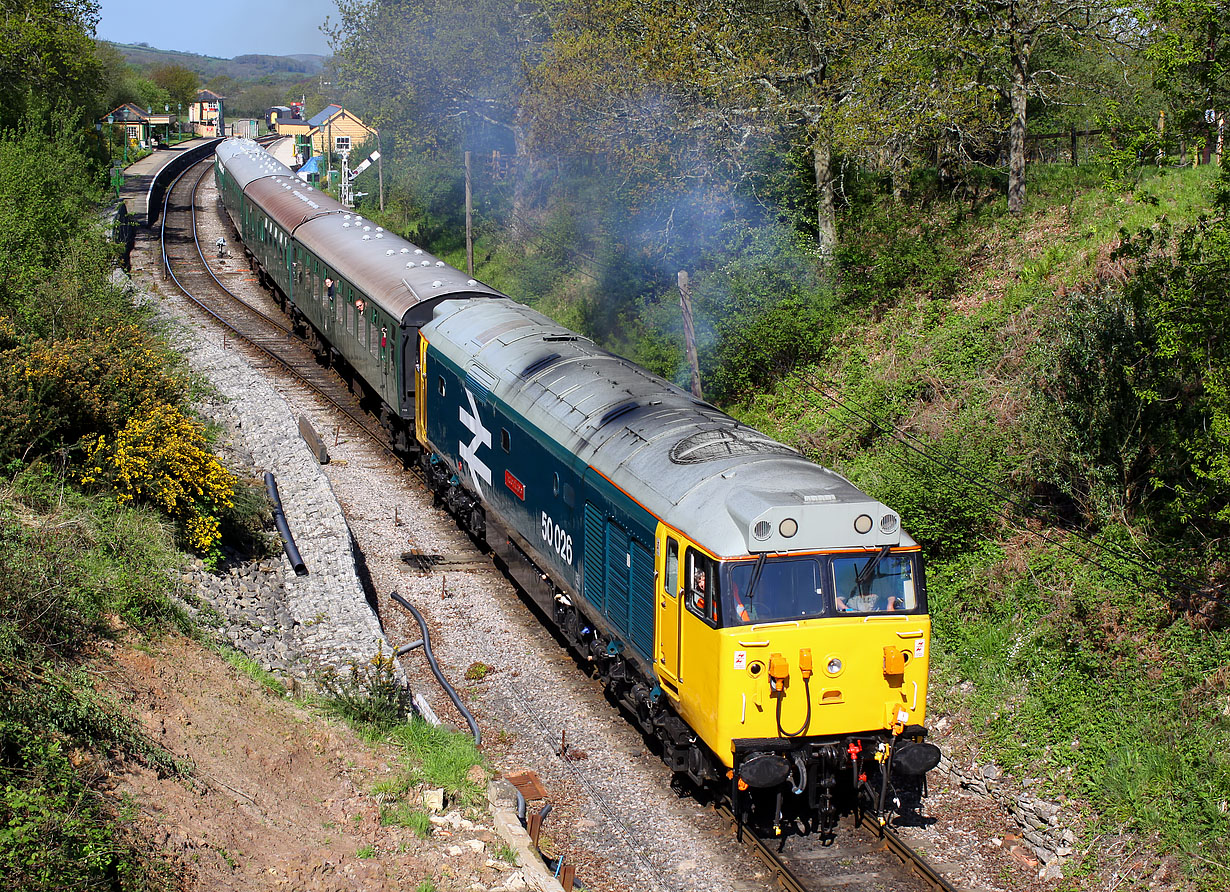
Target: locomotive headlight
[888,523]
[834,667]
[862,523]
[788,527]
[762,530]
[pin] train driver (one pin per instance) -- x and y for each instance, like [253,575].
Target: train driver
[868,602]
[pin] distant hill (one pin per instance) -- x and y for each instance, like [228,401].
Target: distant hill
[249,67]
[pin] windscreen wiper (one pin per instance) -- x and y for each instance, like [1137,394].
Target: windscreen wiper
[869,569]
[756,571]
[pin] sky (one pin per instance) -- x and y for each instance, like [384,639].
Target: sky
[225,28]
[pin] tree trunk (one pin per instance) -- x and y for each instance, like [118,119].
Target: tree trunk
[826,215]
[1018,97]
[522,171]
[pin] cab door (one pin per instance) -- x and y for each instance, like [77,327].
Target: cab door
[420,398]
[668,606]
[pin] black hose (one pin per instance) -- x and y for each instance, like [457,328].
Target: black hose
[806,721]
[279,518]
[435,668]
[520,806]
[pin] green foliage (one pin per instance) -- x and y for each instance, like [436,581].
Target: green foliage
[67,565]
[48,55]
[890,250]
[47,186]
[401,814]
[1139,375]
[439,757]
[253,670]
[944,499]
[1085,682]
[370,696]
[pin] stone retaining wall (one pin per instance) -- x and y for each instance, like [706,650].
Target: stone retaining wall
[294,624]
[1043,824]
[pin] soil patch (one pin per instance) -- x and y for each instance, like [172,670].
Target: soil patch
[279,796]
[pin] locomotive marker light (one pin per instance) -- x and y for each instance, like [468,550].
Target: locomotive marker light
[862,524]
[788,528]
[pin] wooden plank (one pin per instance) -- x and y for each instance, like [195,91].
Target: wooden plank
[529,785]
[313,440]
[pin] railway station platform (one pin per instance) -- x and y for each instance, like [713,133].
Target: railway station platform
[138,192]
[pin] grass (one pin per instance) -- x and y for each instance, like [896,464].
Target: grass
[374,704]
[402,814]
[253,670]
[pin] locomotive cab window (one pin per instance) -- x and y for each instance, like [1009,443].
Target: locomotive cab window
[701,579]
[772,590]
[505,442]
[671,577]
[875,583]
[440,385]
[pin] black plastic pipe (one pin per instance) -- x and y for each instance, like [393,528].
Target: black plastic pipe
[435,668]
[279,518]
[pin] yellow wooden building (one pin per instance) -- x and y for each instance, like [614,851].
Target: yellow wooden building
[334,128]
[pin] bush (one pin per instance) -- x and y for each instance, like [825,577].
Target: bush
[370,697]
[161,457]
[946,500]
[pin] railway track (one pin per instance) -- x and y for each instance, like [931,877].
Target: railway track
[201,280]
[863,856]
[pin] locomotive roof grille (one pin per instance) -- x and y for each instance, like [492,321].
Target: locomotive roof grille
[710,445]
[617,412]
[538,365]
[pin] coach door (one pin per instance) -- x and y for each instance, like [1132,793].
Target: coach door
[667,598]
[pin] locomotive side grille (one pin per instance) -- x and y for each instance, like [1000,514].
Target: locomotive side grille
[640,608]
[595,558]
[617,561]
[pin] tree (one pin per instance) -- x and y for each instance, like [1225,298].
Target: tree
[47,54]
[431,70]
[1191,57]
[869,78]
[180,83]
[1009,35]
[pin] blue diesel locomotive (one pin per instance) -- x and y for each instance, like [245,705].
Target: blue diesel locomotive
[708,574]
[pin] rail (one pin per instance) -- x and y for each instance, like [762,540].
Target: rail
[888,839]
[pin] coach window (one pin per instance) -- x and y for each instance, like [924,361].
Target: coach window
[700,576]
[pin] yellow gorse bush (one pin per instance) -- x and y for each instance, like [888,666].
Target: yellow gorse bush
[162,457]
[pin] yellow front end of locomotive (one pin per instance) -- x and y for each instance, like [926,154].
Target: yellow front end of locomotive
[821,677]
[827,672]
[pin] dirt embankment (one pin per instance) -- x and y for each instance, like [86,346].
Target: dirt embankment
[279,798]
